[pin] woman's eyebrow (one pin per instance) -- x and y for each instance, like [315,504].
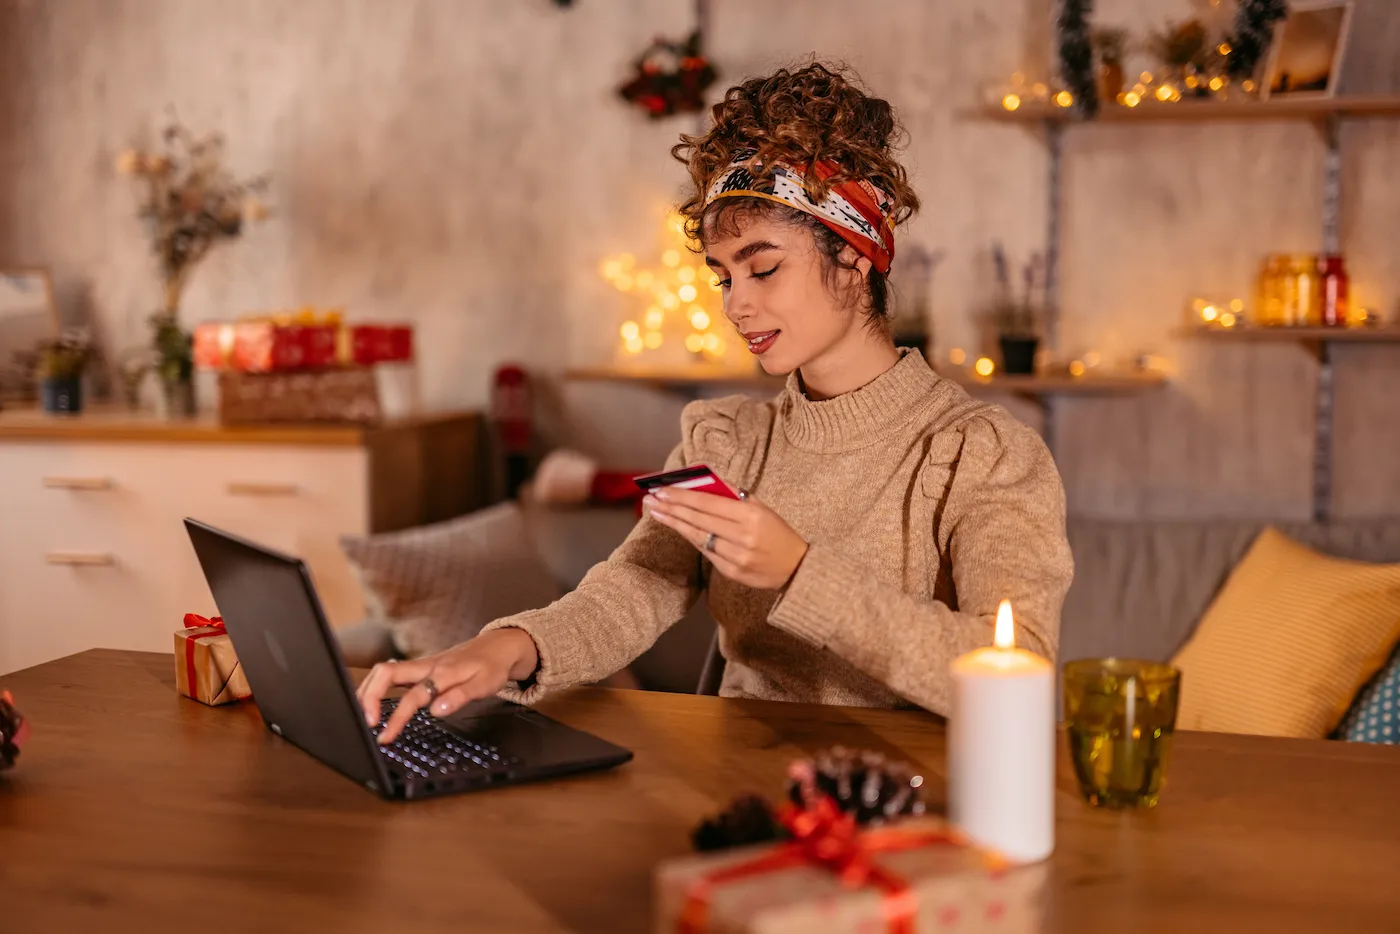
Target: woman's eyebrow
[753,249]
[747,251]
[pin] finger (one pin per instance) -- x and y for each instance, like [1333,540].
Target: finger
[693,534]
[710,522]
[384,676]
[724,550]
[709,503]
[474,688]
[413,700]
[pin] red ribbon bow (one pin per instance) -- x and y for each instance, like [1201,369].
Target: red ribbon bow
[822,835]
[195,621]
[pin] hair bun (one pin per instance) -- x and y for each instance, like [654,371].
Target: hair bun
[816,113]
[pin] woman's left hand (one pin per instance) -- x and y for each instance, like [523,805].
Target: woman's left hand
[752,544]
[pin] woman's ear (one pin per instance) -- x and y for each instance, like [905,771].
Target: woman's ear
[850,259]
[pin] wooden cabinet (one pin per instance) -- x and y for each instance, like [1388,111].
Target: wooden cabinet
[93,552]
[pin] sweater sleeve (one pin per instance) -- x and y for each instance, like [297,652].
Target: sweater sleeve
[624,604]
[618,610]
[1002,528]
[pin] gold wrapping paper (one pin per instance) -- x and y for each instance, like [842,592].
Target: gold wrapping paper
[956,889]
[206,667]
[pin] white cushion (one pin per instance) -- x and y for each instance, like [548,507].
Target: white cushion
[437,585]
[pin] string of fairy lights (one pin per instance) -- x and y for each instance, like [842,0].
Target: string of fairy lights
[1169,86]
[678,301]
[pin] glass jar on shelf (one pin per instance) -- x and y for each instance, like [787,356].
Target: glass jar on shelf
[1308,289]
[1335,285]
[1271,301]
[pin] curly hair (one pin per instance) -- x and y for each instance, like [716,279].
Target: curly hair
[814,114]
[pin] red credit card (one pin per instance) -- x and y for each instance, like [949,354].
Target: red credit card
[700,477]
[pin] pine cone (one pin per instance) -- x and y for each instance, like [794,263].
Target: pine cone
[748,819]
[863,783]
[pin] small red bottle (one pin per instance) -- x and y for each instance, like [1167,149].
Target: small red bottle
[1334,291]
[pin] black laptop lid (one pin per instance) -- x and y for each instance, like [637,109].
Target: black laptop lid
[287,651]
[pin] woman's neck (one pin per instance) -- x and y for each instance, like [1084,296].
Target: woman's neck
[849,365]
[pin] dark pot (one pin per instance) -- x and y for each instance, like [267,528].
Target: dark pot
[1018,355]
[62,394]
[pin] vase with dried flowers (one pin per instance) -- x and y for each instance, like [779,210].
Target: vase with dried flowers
[1014,316]
[190,203]
[60,369]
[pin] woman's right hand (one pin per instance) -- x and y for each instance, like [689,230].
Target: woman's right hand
[470,671]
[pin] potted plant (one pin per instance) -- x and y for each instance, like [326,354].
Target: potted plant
[190,203]
[1182,50]
[1110,45]
[1014,317]
[60,371]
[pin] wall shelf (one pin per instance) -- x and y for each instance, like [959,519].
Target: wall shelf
[1326,115]
[689,381]
[1118,384]
[1385,335]
[1189,111]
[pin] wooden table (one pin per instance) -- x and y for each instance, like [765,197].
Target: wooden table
[135,810]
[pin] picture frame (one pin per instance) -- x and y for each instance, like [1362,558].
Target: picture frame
[28,315]
[1308,51]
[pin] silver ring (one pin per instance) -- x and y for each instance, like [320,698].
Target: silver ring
[432,689]
[743,494]
[710,542]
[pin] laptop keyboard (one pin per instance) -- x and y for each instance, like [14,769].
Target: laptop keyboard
[425,749]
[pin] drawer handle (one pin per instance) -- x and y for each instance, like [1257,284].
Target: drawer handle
[80,558]
[78,483]
[241,488]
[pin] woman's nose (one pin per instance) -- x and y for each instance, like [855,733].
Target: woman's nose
[738,308]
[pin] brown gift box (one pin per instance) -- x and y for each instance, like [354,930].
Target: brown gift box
[340,395]
[954,889]
[206,667]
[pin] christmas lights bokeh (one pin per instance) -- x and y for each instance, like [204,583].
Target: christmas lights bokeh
[675,303]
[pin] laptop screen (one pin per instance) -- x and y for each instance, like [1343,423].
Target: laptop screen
[291,660]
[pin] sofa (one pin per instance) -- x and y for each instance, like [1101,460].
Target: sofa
[1139,587]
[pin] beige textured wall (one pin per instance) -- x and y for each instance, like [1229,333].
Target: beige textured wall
[464,163]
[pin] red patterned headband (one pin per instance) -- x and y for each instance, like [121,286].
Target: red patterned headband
[858,212]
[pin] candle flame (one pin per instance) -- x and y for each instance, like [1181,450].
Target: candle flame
[1005,637]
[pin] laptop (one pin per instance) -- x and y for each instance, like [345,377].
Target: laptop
[299,680]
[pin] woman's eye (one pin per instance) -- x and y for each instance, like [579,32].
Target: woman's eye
[765,275]
[724,283]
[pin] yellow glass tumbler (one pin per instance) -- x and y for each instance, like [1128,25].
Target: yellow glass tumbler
[1120,715]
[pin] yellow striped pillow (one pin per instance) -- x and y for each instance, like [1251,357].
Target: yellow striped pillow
[1288,641]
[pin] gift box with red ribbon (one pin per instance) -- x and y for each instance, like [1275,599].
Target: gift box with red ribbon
[368,344]
[831,877]
[206,667]
[269,347]
[213,345]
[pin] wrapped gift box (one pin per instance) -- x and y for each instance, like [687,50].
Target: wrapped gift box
[358,395]
[282,344]
[367,344]
[945,885]
[213,345]
[206,667]
[269,347]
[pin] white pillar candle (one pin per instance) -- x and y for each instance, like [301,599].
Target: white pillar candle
[1001,747]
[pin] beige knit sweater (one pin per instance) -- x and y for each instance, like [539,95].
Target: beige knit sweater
[924,508]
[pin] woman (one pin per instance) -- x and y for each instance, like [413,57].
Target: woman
[886,513]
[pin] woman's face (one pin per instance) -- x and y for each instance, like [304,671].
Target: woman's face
[771,274]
